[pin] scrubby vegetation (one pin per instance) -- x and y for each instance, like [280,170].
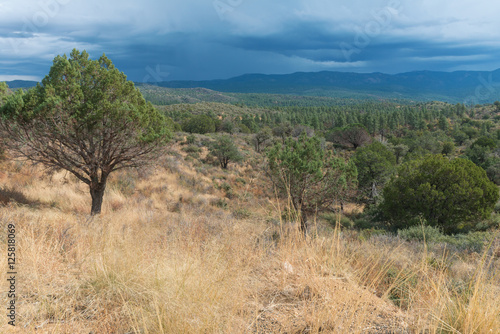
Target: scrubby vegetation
[187,247]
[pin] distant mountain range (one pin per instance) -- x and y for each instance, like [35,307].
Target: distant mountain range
[460,86]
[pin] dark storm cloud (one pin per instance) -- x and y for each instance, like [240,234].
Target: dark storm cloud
[206,39]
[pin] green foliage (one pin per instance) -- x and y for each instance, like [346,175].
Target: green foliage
[192,149]
[493,172]
[176,127]
[480,155]
[470,131]
[199,124]
[225,151]
[487,142]
[244,129]
[367,233]
[4,90]
[225,186]
[283,131]
[420,233]
[421,143]
[311,177]
[472,242]
[460,137]
[399,150]
[448,148]
[452,195]
[228,126]
[375,164]
[87,118]
[261,138]
[190,139]
[443,123]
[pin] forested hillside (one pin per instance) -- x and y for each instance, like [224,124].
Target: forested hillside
[460,86]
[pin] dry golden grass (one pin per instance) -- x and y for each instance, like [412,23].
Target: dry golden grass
[163,259]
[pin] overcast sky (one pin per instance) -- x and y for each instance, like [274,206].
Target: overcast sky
[158,40]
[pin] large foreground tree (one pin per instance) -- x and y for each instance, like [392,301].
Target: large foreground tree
[312,178]
[85,118]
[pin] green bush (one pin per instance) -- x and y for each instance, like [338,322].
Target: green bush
[225,151]
[471,242]
[420,233]
[225,186]
[332,218]
[191,139]
[199,124]
[450,194]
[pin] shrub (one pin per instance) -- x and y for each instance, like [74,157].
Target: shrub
[471,242]
[332,218]
[220,203]
[449,194]
[190,139]
[225,186]
[199,124]
[225,151]
[192,149]
[420,233]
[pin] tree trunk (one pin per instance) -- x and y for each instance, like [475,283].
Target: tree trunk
[97,193]
[224,162]
[303,222]
[374,193]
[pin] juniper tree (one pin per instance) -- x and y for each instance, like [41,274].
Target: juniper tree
[225,151]
[261,137]
[282,130]
[199,124]
[312,177]
[450,194]
[85,118]
[375,163]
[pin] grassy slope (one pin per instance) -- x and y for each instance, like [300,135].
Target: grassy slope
[169,256]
